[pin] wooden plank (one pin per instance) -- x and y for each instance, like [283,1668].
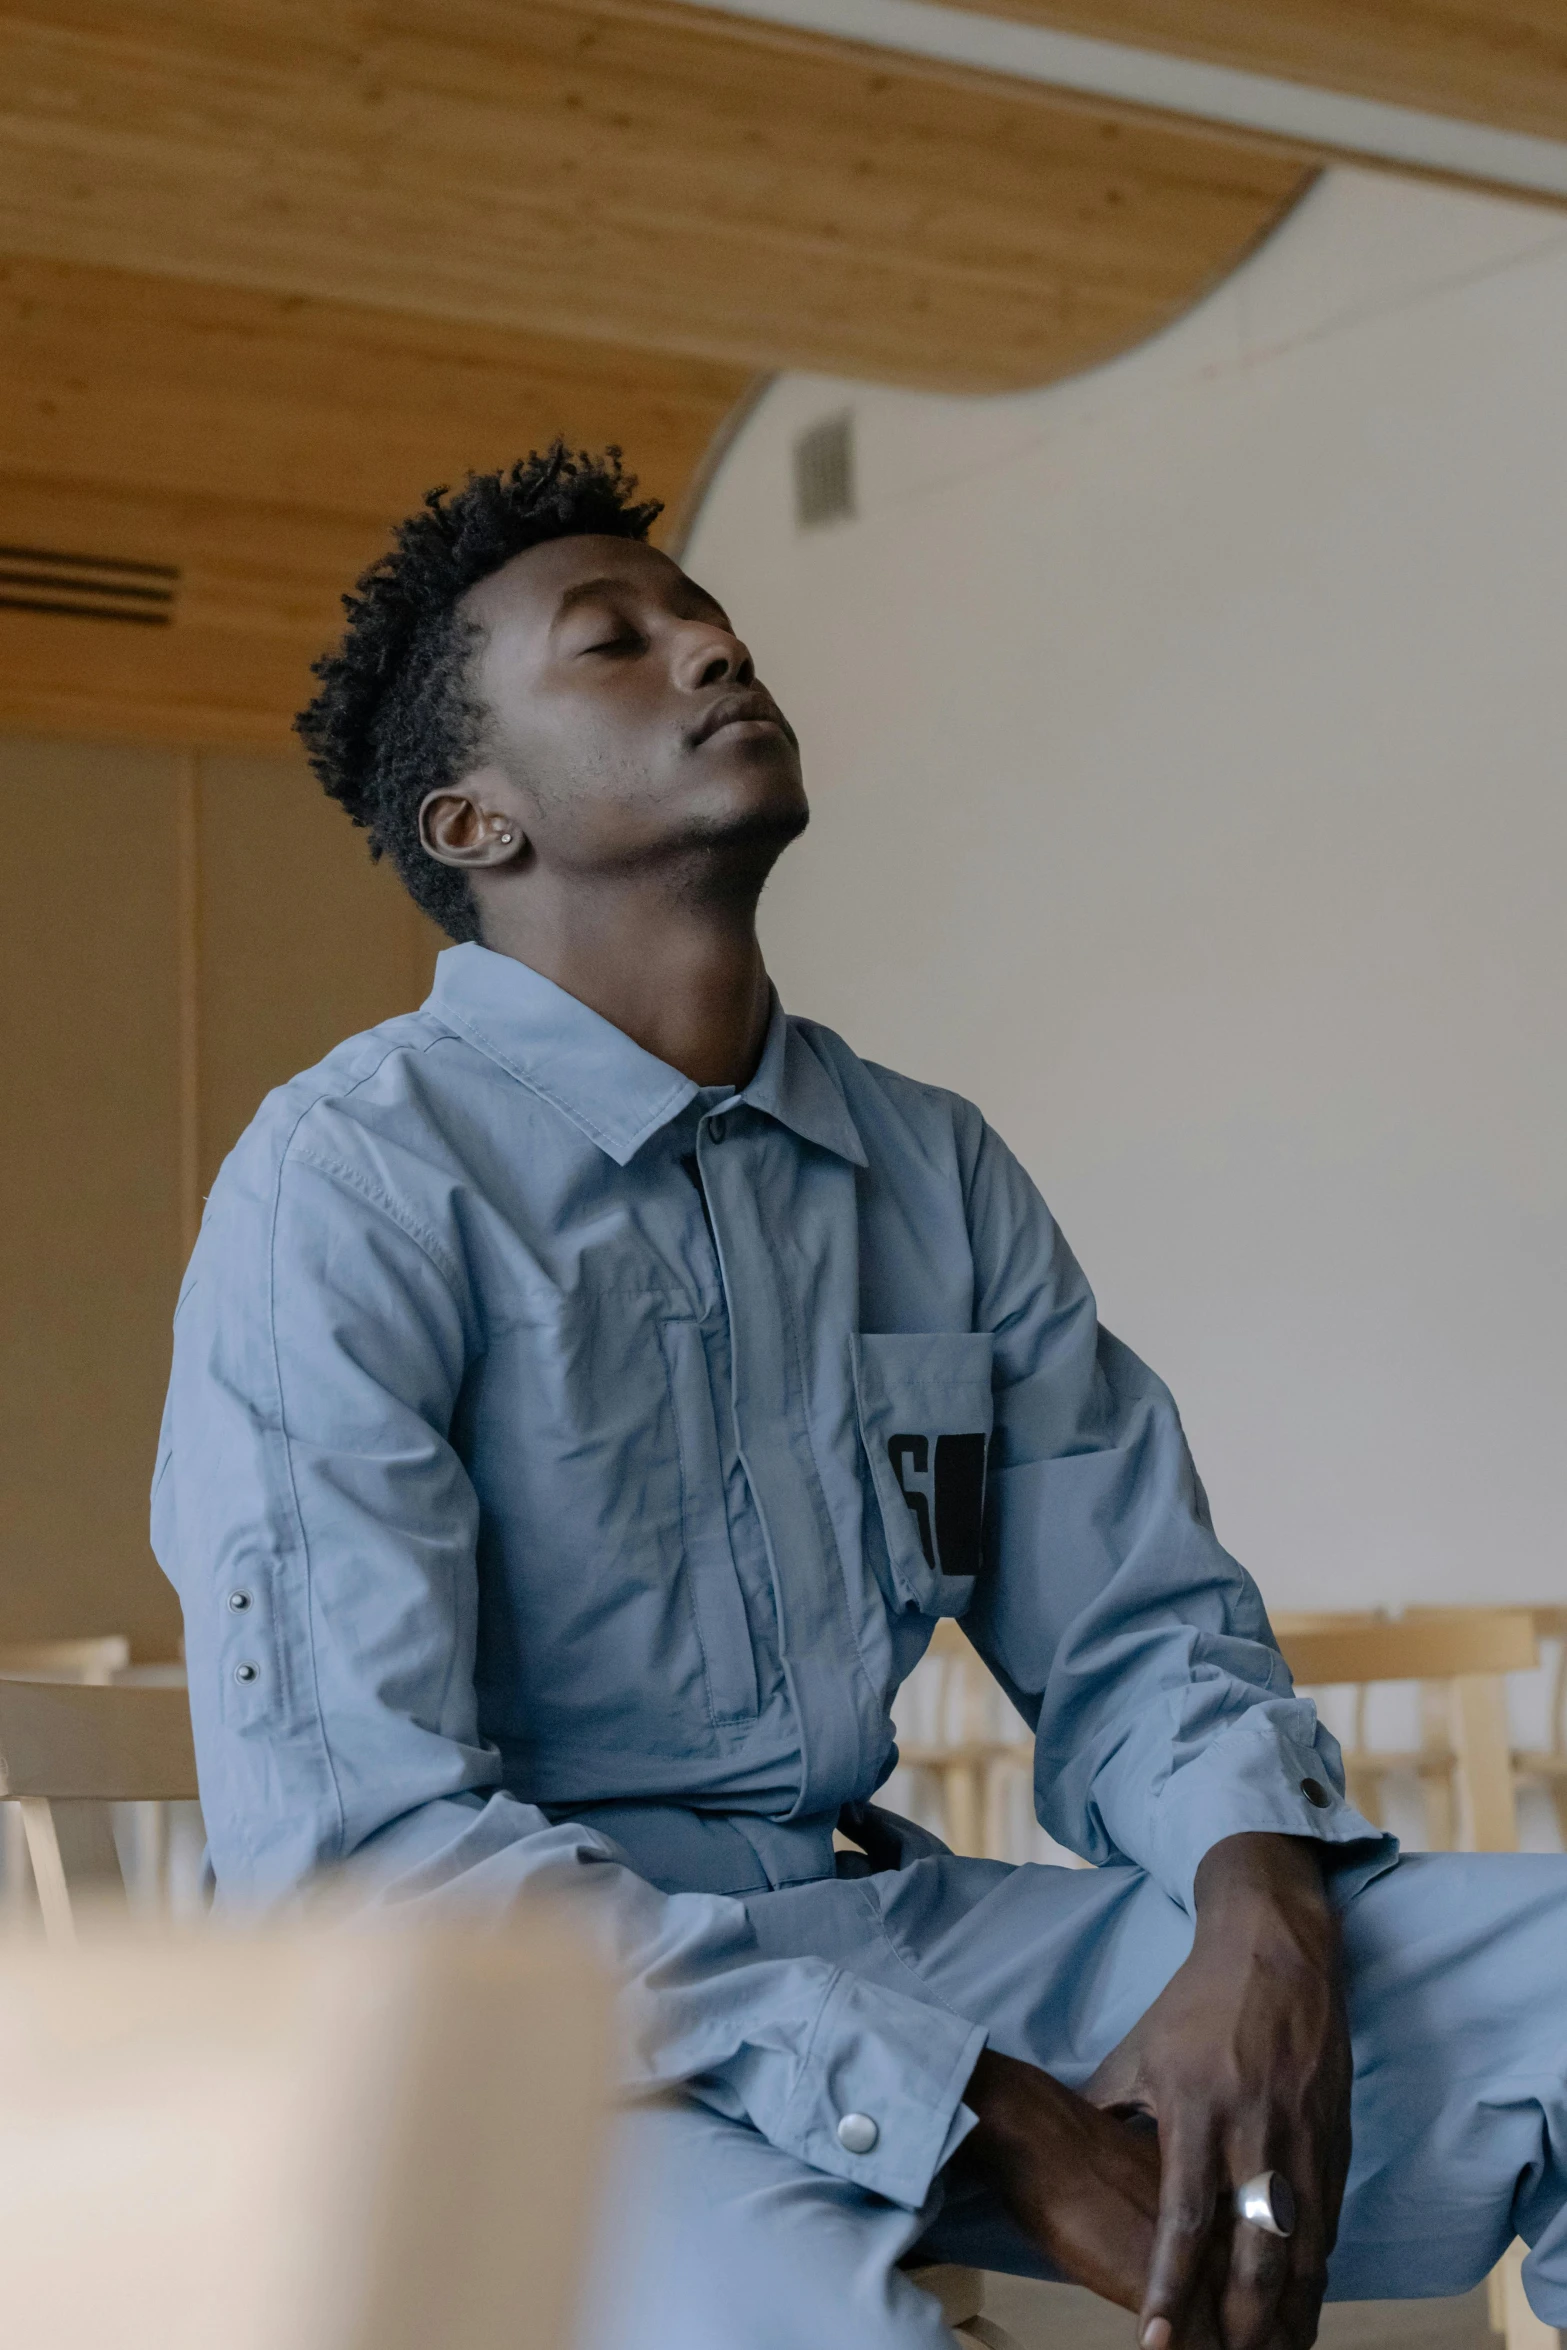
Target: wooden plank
[1502,62]
[1415,1648]
[111,1745]
[1487,1806]
[94,1661]
[622,171]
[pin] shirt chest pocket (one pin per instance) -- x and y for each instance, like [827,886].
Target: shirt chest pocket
[926,1413]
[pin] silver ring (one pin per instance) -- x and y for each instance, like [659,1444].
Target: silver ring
[1267,2202]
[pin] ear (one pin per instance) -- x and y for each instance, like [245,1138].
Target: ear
[463,825]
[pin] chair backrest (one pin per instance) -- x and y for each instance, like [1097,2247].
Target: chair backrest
[358,2139]
[96,1660]
[86,1744]
[1472,1649]
[60,1743]
[1434,1647]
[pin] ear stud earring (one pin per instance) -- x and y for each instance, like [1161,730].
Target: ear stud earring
[506,839]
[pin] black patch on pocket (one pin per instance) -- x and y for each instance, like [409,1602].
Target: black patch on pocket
[960,1502]
[947,1501]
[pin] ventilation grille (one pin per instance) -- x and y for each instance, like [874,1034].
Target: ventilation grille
[824,473]
[87,587]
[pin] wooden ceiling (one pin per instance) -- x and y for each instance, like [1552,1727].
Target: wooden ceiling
[268,269]
[618,169]
[260,444]
[275,268]
[1502,62]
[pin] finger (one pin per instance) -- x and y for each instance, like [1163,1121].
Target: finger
[1300,2297]
[1299,2312]
[1189,2185]
[1275,2284]
[1260,2268]
[1113,2087]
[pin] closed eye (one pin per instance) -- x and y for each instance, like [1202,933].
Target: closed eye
[626,640]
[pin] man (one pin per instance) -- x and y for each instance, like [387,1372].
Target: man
[587,1393]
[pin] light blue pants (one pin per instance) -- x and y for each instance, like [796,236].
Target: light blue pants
[1457,1975]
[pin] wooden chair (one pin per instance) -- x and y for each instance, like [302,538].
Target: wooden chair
[85,1742]
[127,1745]
[96,1661]
[344,2139]
[134,1842]
[1547,1765]
[1464,1761]
[973,1754]
[1462,1657]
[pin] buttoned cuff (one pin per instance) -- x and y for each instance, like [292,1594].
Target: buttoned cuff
[879,2063]
[1263,1776]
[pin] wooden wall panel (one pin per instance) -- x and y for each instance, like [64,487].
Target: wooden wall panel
[297,941]
[1497,61]
[303,941]
[89,1227]
[622,170]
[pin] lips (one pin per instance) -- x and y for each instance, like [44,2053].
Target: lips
[738,709]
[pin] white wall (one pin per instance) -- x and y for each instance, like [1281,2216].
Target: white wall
[1187,745]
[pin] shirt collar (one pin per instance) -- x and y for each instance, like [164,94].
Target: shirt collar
[605,1083]
[799,1090]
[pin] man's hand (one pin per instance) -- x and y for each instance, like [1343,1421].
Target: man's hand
[1243,2061]
[1083,2185]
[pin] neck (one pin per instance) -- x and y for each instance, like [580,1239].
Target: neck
[684,980]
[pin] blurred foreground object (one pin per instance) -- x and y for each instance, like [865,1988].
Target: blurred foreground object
[318,2140]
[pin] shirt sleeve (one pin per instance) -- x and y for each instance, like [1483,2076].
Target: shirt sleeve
[1136,1646]
[321,1530]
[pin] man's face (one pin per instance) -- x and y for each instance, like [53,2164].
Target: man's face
[624,713]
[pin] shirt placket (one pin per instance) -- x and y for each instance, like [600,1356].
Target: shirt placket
[753,1179]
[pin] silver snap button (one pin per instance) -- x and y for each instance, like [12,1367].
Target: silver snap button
[239,1601]
[244,1672]
[857,2133]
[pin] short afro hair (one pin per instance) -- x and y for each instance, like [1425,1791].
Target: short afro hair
[394,718]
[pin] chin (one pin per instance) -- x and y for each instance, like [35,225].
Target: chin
[775,822]
[725,854]
[753,805]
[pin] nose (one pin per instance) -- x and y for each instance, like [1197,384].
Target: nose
[709,656]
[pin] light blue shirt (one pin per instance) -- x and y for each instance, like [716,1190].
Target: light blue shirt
[563,1466]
